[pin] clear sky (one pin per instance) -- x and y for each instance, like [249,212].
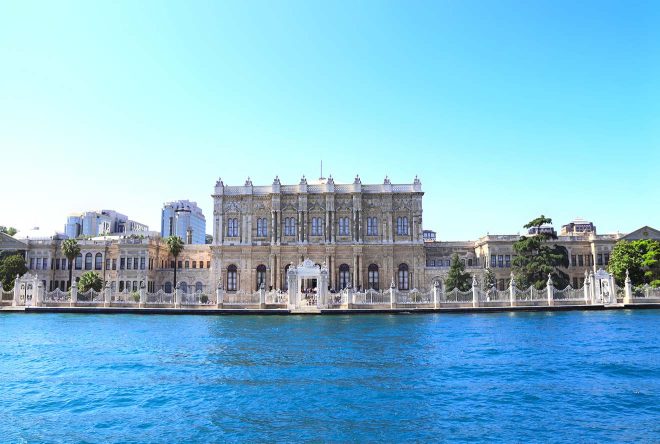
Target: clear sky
[505,109]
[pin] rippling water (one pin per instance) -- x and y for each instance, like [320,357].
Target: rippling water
[551,377]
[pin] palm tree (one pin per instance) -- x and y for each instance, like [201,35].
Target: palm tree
[175,247]
[71,250]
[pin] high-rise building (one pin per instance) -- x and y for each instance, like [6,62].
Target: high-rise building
[185,219]
[97,223]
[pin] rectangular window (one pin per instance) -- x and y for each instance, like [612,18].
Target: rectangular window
[573,260]
[599,259]
[194,264]
[372,226]
[507,261]
[114,264]
[581,260]
[179,264]
[500,261]
[201,264]
[208,264]
[232,227]
[343,226]
[129,263]
[493,261]
[607,258]
[142,263]
[122,263]
[402,226]
[317,226]
[107,263]
[57,264]
[64,264]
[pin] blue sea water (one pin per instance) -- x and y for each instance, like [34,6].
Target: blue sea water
[523,377]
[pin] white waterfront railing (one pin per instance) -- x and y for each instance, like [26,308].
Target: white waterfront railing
[57,296]
[415,296]
[90,297]
[568,294]
[457,295]
[125,297]
[371,297]
[197,298]
[494,295]
[160,298]
[241,298]
[275,297]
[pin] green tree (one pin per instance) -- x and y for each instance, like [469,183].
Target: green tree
[11,266]
[489,279]
[640,257]
[175,247]
[537,256]
[457,278]
[8,230]
[209,239]
[71,250]
[89,280]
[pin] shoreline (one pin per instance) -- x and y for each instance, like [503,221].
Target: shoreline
[288,312]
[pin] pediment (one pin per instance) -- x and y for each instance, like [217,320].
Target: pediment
[645,232]
[9,243]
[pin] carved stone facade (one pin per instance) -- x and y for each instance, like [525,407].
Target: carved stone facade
[364,234]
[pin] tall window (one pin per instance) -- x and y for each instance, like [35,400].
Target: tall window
[262,227]
[402,226]
[184,287]
[232,227]
[493,261]
[403,277]
[289,226]
[317,226]
[78,263]
[167,287]
[343,226]
[261,276]
[344,276]
[507,261]
[372,226]
[98,261]
[372,277]
[232,273]
[88,261]
[199,287]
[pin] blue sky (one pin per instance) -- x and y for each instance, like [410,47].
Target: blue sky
[505,110]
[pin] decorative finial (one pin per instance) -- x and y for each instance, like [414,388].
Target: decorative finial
[387,181]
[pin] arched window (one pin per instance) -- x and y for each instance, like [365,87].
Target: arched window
[232,227]
[262,227]
[372,226]
[232,273]
[98,261]
[186,264]
[121,286]
[344,229]
[199,287]
[289,226]
[402,226]
[403,277]
[167,287]
[372,277]
[78,263]
[88,261]
[317,226]
[344,276]
[261,276]
[184,287]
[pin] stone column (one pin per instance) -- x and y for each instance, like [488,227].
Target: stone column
[592,294]
[475,291]
[38,294]
[292,284]
[143,295]
[587,288]
[107,295]
[17,292]
[74,293]
[323,289]
[392,295]
[354,279]
[177,295]
[219,294]
[512,292]
[436,294]
[549,288]
[627,299]
[262,296]
[273,227]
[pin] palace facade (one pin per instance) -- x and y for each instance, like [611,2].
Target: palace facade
[365,235]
